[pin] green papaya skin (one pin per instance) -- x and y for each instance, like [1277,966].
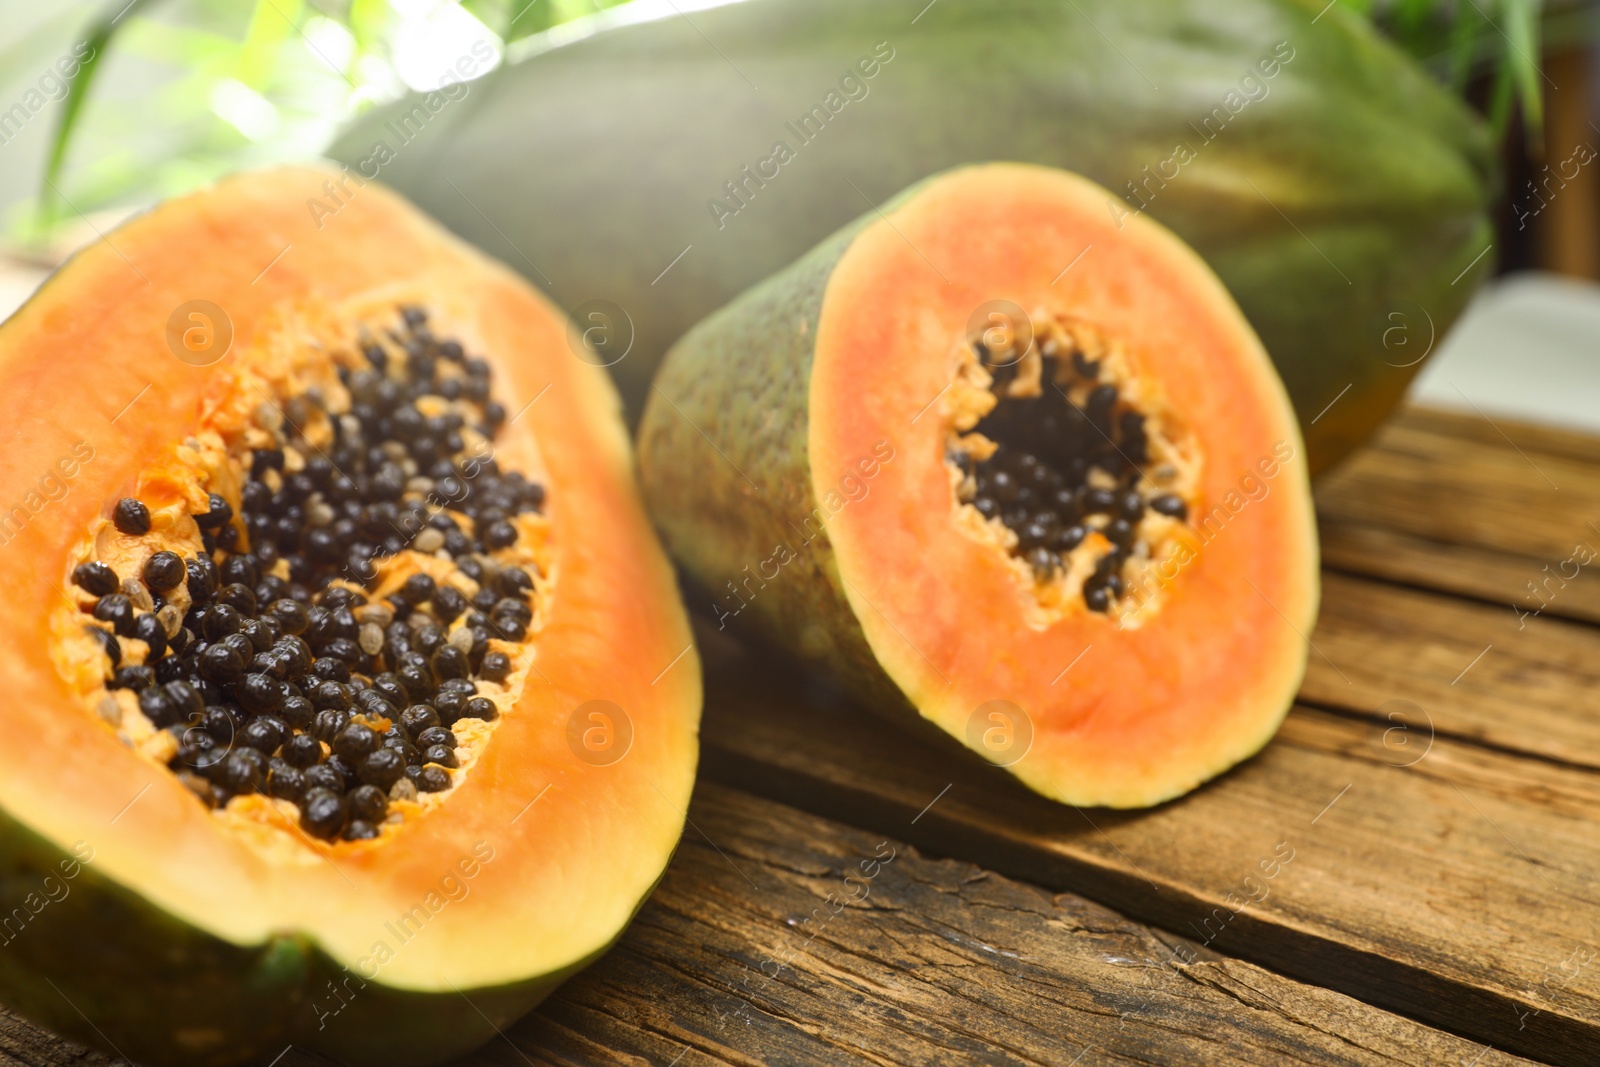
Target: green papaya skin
[1339,193]
[194,999]
[725,466]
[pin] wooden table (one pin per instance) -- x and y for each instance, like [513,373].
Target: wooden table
[1432,805]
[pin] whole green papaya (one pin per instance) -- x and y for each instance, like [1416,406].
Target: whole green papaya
[646,167]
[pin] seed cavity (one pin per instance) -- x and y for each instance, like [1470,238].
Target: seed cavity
[360,580]
[1067,459]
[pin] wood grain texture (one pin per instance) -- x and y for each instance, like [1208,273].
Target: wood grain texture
[1475,671]
[1438,878]
[1470,506]
[23,1043]
[1497,432]
[1469,487]
[1510,582]
[942,962]
[780,937]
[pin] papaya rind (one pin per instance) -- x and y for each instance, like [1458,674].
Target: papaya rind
[175,994]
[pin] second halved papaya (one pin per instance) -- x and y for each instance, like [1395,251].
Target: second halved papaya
[989,453]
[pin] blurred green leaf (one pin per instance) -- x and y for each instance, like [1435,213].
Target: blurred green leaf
[1522,39]
[516,19]
[98,40]
[1500,40]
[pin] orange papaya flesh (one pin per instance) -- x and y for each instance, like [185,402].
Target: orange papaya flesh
[992,457]
[369,695]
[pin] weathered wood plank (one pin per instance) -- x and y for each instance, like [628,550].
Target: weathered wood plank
[780,937]
[23,1043]
[1469,670]
[1502,432]
[1505,580]
[941,962]
[1465,489]
[1455,889]
[1446,501]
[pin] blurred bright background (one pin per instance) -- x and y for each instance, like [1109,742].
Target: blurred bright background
[173,93]
[107,107]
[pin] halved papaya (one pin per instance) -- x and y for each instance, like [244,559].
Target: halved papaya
[363,708]
[996,455]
